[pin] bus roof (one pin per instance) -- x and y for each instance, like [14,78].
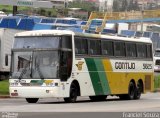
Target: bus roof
[44,33]
[115,37]
[67,32]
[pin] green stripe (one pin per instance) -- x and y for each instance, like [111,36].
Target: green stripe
[94,76]
[102,76]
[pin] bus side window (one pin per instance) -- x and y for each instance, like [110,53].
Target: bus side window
[130,50]
[81,46]
[141,50]
[119,49]
[95,47]
[107,48]
[65,65]
[149,51]
[91,51]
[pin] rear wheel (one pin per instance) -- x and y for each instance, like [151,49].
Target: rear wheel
[138,91]
[73,94]
[98,98]
[32,100]
[131,91]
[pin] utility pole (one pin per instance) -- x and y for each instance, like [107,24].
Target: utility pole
[142,11]
[14,10]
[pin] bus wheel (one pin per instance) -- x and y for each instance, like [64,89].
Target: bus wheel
[32,100]
[98,98]
[138,91]
[131,91]
[73,94]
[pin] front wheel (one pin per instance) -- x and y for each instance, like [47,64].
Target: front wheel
[32,100]
[73,94]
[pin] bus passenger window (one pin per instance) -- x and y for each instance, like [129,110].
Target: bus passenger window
[104,52]
[119,49]
[141,50]
[149,51]
[95,47]
[130,50]
[81,46]
[107,48]
[91,51]
[76,50]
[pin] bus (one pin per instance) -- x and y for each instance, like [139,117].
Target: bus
[64,64]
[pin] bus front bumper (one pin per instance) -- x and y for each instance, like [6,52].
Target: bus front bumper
[34,92]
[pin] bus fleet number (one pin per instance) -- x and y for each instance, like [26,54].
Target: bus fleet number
[147,66]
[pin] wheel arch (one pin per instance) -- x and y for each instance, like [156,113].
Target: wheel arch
[142,84]
[77,85]
[132,80]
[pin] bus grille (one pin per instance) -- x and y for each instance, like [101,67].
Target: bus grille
[147,82]
[157,62]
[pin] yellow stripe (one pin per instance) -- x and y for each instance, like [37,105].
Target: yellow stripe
[107,65]
[119,81]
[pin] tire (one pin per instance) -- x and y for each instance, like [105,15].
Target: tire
[123,97]
[131,92]
[138,91]
[98,98]
[32,100]
[73,94]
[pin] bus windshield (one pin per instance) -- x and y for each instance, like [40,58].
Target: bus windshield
[38,42]
[35,64]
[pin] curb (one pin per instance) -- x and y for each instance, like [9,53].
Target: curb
[4,96]
[157,90]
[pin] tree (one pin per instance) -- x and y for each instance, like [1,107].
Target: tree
[42,12]
[84,5]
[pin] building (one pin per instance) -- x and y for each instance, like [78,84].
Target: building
[148,4]
[105,5]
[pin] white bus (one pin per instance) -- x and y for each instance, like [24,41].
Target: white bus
[64,64]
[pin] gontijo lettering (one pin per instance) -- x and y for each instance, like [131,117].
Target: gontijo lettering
[124,65]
